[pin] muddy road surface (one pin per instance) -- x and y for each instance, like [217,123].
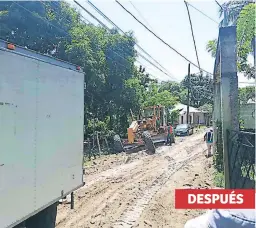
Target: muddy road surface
[137,190]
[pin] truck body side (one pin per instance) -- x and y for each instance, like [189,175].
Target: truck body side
[41,132]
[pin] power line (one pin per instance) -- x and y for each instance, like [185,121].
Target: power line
[154,65]
[161,38]
[105,26]
[67,34]
[140,14]
[192,32]
[109,20]
[219,4]
[108,30]
[202,13]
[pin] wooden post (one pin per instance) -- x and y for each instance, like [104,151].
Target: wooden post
[72,200]
[188,93]
[229,91]
[93,140]
[106,141]
[89,148]
[98,142]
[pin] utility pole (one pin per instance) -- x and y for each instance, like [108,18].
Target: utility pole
[188,93]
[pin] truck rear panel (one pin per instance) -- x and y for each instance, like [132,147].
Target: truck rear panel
[41,132]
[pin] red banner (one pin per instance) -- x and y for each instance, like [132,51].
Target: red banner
[214,198]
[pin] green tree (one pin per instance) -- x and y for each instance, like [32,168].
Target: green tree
[234,8]
[107,58]
[211,47]
[163,98]
[176,89]
[173,117]
[241,14]
[201,90]
[246,93]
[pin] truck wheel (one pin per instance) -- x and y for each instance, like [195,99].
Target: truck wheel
[148,142]
[118,146]
[44,219]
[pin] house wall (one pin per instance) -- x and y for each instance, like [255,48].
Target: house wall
[196,118]
[184,118]
[199,118]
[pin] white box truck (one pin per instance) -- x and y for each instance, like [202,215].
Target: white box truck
[41,135]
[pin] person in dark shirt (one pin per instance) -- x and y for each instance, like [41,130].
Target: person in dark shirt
[208,138]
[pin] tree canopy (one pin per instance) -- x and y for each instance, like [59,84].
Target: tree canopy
[241,14]
[113,83]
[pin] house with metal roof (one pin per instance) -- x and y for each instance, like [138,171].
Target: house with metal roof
[196,116]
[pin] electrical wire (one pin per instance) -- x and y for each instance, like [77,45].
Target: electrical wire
[168,45]
[108,30]
[62,30]
[140,14]
[105,26]
[202,13]
[192,32]
[109,20]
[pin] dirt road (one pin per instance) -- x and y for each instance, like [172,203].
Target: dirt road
[138,191]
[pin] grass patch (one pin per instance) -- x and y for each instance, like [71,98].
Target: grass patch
[219,179]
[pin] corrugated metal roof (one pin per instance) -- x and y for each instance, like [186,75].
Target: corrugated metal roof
[183,109]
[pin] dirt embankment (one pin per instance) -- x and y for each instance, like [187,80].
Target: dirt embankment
[138,190]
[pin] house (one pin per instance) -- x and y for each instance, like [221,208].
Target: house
[196,116]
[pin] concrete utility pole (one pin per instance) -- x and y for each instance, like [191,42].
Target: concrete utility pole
[229,96]
[188,93]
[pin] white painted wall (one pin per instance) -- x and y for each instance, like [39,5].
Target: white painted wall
[194,118]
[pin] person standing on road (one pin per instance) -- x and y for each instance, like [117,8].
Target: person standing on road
[169,134]
[208,138]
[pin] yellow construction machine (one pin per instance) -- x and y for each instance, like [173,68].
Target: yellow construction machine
[146,130]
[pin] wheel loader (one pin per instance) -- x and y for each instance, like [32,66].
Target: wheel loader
[147,130]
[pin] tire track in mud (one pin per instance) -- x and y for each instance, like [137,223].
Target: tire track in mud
[101,177]
[116,171]
[133,213]
[108,193]
[105,198]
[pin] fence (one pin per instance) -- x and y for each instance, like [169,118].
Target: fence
[97,145]
[241,154]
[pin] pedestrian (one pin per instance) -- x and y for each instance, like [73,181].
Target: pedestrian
[208,138]
[169,133]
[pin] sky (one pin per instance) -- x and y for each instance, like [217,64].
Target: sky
[169,20]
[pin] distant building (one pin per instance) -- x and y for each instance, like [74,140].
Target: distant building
[196,116]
